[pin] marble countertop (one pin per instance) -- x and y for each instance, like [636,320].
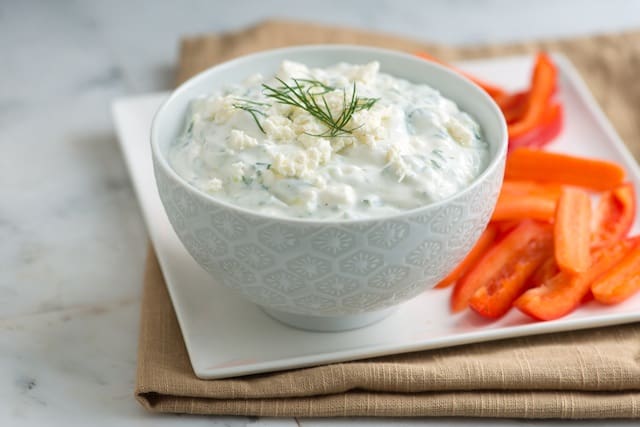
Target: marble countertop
[73,242]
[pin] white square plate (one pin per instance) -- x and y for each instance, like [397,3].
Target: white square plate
[228,336]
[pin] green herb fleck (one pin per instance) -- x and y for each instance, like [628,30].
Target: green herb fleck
[252,107]
[438,153]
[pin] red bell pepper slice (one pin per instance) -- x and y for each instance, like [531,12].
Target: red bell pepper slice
[621,282]
[526,199]
[543,84]
[525,188]
[484,242]
[513,105]
[533,206]
[547,269]
[571,231]
[562,293]
[614,215]
[545,167]
[509,260]
[546,131]
[498,291]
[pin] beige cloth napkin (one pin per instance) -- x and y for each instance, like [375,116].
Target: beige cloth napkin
[587,374]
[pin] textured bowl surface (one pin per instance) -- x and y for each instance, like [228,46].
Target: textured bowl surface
[329,268]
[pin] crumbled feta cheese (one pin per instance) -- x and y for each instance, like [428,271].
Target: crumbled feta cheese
[303,163]
[292,70]
[300,165]
[306,126]
[286,166]
[365,74]
[236,171]
[370,125]
[279,128]
[397,164]
[317,148]
[339,144]
[239,140]
[338,194]
[220,108]
[213,185]
[338,100]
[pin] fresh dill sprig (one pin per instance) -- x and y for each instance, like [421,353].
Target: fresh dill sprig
[366,103]
[252,107]
[309,95]
[317,84]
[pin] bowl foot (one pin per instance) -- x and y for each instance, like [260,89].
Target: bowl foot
[328,323]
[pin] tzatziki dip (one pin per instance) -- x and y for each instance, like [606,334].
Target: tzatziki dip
[341,142]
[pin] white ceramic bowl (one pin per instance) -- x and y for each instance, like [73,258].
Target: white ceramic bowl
[328,275]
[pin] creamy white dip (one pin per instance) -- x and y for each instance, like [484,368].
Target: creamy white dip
[404,145]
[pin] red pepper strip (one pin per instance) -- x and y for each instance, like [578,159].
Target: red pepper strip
[571,231]
[525,199]
[513,105]
[512,100]
[614,215]
[548,129]
[548,268]
[621,282]
[481,246]
[498,290]
[533,206]
[544,166]
[543,84]
[501,261]
[562,293]
[493,90]
[527,188]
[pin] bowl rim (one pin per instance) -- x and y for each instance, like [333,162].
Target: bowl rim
[161,161]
